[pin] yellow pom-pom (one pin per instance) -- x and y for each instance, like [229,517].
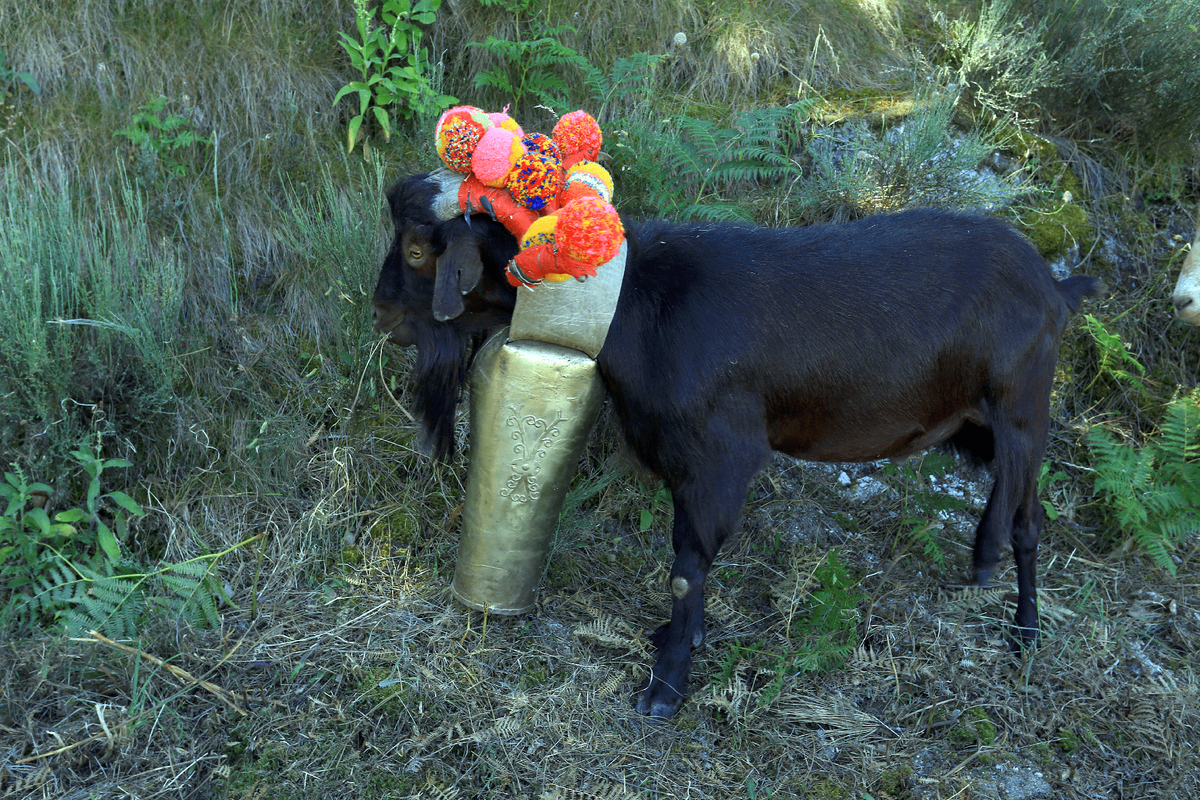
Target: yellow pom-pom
[540,232]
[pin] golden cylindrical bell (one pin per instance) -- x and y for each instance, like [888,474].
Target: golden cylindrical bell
[533,405]
[535,395]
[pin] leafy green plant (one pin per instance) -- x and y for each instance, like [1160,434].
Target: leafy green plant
[1047,477]
[629,82]
[1154,491]
[659,504]
[922,504]
[1115,361]
[158,135]
[40,556]
[821,635]
[8,76]
[71,569]
[532,66]
[828,623]
[394,68]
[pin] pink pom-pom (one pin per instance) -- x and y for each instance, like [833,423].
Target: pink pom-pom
[495,155]
[501,120]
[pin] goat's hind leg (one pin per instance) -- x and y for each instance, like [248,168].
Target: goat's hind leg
[1014,512]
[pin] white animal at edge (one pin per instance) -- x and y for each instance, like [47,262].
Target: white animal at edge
[1187,290]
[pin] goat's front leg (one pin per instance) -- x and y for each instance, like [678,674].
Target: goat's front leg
[685,632]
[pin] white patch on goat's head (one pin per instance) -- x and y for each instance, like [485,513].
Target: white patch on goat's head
[1187,289]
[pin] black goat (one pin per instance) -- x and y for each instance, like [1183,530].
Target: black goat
[854,342]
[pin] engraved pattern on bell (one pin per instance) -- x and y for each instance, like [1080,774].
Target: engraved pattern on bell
[533,437]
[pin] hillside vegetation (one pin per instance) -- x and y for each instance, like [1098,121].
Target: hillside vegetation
[224,561]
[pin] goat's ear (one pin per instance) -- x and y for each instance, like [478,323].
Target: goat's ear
[447,297]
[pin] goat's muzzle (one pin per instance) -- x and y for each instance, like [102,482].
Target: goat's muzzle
[1186,308]
[392,322]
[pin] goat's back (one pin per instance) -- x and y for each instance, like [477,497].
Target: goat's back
[852,342]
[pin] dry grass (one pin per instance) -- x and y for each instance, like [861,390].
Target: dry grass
[378,685]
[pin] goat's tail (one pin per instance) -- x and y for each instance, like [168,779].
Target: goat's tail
[1077,287]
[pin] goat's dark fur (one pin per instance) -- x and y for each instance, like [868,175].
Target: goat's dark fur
[854,342]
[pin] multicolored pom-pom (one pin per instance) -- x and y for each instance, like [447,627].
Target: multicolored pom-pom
[535,180]
[496,154]
[589,230]
[579,136]
[514,177]
[587,179]
[458,132]
[541,143]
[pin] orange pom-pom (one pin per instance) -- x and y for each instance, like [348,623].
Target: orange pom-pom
[589,230]
[495,155]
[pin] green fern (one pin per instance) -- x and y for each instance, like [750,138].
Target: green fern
[531,66]
[698,164]
[193,592]
[1115,360]
[1153,492]
[115,605]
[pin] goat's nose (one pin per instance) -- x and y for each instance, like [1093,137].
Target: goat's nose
[385,317]
[1182,302]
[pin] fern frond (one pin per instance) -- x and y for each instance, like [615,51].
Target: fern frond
[193,591]
[112,604]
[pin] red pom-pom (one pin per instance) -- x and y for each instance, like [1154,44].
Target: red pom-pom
[579,136]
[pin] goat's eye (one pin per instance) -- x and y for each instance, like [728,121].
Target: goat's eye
[415,254]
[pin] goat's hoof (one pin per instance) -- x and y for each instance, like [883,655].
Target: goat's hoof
[1022,639]
[659,700]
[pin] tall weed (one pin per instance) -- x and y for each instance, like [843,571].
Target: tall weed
[91,307]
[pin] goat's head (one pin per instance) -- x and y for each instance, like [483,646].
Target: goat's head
[440,288]
[1187,289]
